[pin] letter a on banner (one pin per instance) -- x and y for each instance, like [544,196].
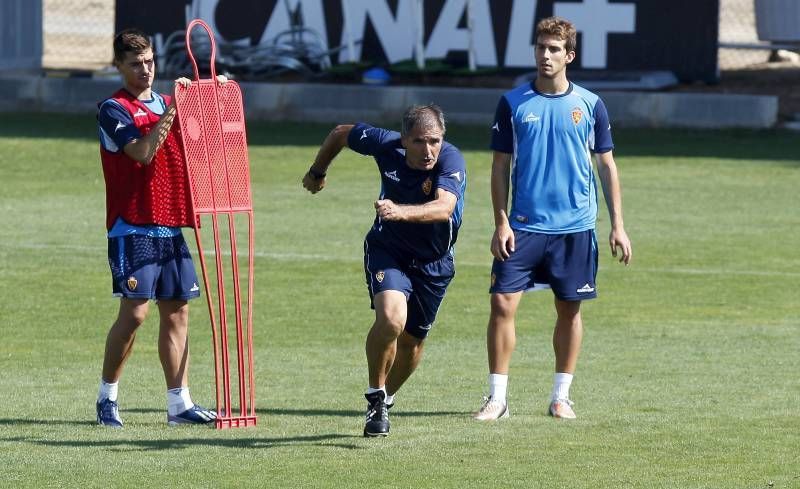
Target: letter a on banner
[211,120]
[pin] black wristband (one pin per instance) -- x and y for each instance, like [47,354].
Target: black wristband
[315,174]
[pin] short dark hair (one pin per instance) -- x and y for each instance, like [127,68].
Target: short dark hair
[130,41]
[422,115]
[560,28]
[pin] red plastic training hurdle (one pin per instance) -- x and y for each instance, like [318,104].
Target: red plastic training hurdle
[211,120]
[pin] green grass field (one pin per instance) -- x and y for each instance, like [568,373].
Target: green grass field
[689,376]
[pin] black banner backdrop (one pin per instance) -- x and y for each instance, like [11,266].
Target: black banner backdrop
[613,35]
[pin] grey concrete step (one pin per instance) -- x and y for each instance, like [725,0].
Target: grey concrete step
[385,104]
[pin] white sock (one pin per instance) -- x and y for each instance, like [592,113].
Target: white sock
[372,390]
[107,391]
[178,400]
[498,384]
[389,399]
[561,383]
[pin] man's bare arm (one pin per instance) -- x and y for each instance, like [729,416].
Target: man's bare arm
[314,179]
[438,210]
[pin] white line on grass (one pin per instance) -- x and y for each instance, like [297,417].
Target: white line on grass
[352,259]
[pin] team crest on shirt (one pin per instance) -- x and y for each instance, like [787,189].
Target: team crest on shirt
[379,276]
[132,282]
[577,115]
[426,186]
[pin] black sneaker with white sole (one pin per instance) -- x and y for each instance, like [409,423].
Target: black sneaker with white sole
[377,415]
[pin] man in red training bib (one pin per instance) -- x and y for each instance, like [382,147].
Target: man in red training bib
[147,202]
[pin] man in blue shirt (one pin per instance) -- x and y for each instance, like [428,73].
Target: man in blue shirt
[543,136]
[408,252]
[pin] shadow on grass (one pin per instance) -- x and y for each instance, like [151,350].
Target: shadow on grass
[84,127]
[351,413]
[134,445]
[733,144]
[341,413]
[261,413]
[46,422]
[736,144]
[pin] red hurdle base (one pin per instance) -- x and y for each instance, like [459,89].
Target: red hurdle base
[236,422]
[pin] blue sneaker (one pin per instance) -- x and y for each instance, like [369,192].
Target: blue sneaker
[194,415]
[108,414]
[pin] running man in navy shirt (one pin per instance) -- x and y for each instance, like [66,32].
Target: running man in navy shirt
[408,252]
[543,137]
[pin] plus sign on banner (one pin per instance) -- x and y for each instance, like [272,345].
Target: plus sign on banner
[628,35]
[595,20]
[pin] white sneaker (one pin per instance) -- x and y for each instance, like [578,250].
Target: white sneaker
[491,410]
[562,408]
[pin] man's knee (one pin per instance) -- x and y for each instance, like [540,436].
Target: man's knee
[568,311]
[174,314]
[390,324]
[409,343]
[391,311]
[132,313]
[504,306]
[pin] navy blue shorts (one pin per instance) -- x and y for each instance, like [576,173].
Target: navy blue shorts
[567,263]
[152,268]
[424,285]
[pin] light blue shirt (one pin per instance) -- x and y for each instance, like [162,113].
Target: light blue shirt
[551,138]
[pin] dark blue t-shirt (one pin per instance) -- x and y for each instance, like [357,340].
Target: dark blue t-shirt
[404,185]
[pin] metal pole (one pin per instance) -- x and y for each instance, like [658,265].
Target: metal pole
[471,35]
[348,31]
[418,16]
